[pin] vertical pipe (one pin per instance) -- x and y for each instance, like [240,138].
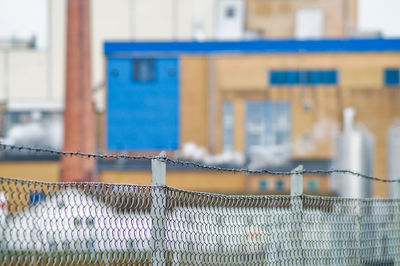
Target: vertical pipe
[158,210]
[211,103]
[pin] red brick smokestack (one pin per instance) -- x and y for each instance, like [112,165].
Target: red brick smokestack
[79,117]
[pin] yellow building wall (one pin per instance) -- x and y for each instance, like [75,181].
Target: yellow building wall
[322,181]
[194,107]
[189,180]
[46,171]
[239,78]
[18,192]
[210,181]
[276,18]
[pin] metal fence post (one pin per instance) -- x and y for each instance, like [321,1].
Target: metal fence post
[158,210]
[296,190]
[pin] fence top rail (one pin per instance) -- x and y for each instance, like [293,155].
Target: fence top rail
[178,161]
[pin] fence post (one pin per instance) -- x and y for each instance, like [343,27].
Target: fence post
[158,210]
[296,190]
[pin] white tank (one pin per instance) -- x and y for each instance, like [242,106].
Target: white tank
[394,159]
[354,149]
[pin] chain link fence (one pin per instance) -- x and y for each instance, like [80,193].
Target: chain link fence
[96,223]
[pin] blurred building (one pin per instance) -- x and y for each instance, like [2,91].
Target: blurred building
[275,103]
[225,103]
[303,18]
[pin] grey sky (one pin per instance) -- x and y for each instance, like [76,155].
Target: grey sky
[25,18]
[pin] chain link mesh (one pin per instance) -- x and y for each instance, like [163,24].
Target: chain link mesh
[110,224]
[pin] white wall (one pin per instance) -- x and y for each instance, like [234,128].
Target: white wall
[3,77]
[27,76]
[57,50]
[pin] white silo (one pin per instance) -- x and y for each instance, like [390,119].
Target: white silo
[394,159]
[354,151]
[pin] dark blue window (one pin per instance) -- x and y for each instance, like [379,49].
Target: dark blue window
[277,77]
[280,185]
[292,77]
[143,70]
[263,184]
[312,185]
[36,197]
[392,77]
[303,77]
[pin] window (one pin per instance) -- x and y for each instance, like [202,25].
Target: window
[309,23]
[36,197]
[61,204]
[90,244]
[143,70]
[230,12]
[77,221]
[312,185]
[220,220]
[267,124]
[392,77]
[302,77]
[228,126]
[280,185]
[263,184]
[65,245]
[53,245]
[90,221]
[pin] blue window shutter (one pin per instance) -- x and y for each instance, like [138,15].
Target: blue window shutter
[303,77]
[292,77]
[392,77]
[334,77]
[273,78]
[277,77]
[315,77]
[325,77]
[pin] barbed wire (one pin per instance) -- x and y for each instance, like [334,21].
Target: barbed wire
[200,165]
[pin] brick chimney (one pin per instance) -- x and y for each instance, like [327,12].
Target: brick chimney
[79,117]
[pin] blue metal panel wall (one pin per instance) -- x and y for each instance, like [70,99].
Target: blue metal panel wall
[142,115]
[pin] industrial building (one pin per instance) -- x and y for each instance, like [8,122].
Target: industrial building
[278,100]
[222,96]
